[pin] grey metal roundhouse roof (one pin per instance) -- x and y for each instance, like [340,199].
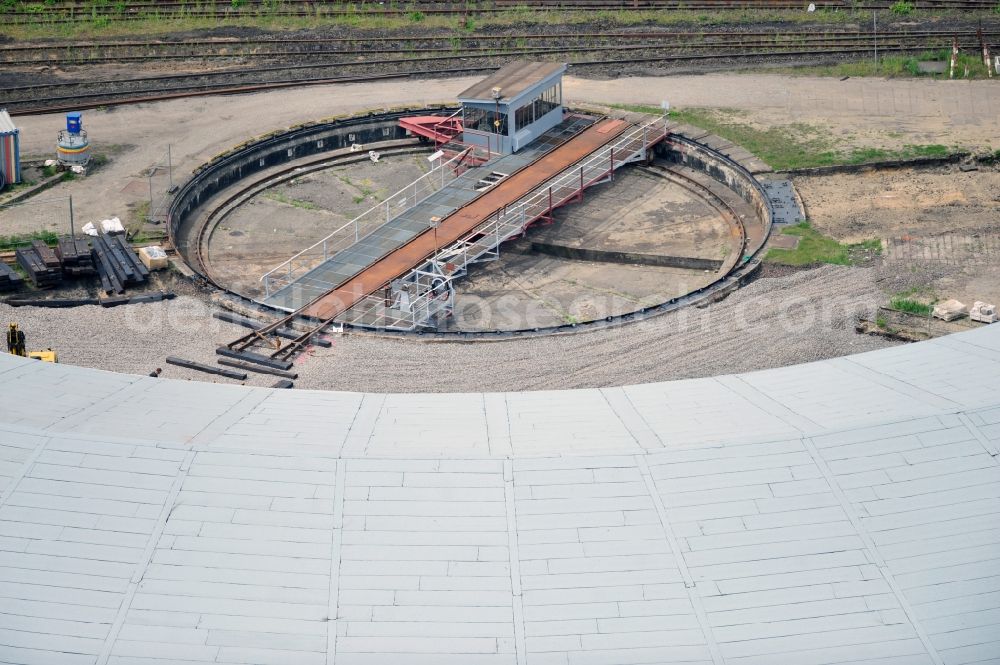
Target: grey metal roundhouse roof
[843,511]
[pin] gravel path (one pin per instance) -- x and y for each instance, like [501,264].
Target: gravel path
[801,317]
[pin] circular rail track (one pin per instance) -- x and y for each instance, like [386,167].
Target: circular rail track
[196,252]
[208,224]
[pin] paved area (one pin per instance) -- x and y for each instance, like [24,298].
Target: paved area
[839,512]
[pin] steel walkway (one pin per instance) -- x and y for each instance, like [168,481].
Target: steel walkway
[367,245]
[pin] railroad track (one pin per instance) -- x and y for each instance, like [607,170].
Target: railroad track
[84,53]
[81,11]
[247,347]
[714,200]
[63,95]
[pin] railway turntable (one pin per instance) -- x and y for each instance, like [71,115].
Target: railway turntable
[506,159]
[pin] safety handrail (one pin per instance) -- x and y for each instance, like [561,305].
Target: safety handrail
[287,264]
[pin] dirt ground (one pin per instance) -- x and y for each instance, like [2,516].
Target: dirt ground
[807,315]
[135,138]
[799,317]
[939,227]
[289,217]
[638,213]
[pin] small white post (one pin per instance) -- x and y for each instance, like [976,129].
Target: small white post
[875,38]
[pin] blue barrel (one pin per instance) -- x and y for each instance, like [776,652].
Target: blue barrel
[74,122]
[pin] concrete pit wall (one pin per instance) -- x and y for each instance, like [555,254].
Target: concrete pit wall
[280,148]
[277,149]
[680,150]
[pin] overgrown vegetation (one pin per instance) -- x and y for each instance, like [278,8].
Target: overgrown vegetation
[902,8]
[40,17]
[815,248]
[968,65]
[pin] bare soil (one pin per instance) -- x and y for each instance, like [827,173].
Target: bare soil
[940,228]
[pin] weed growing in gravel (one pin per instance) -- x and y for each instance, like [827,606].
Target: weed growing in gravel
[902,8]
[894,66]
[911,306]
[287,200]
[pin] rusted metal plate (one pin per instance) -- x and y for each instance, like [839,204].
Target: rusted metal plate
[611,126]
[461,222]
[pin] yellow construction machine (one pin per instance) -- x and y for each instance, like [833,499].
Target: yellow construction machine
[15,346]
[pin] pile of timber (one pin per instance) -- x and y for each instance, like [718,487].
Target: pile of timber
[41,264]
[9,280]
[117,264]
[76,258]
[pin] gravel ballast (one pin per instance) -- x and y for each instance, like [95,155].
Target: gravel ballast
[772,322]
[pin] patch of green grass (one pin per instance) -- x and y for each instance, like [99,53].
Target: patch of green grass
[815,248]
[141,212]
[786,147]
[902,8]
[782,147]
[911,306]
[275,195]
[873,246]
[865,155]
[640,108]
[894,66]
[15,241]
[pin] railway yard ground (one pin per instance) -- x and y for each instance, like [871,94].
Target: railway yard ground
[937,226]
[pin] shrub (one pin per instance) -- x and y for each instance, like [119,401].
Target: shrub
[902,8]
